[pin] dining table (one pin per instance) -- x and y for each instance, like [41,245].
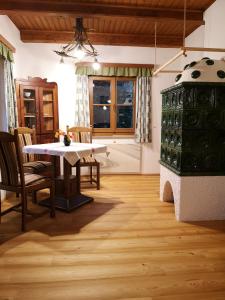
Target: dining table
[68,195]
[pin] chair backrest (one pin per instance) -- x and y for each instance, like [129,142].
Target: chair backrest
[10,160]
[27,136]
[81,134]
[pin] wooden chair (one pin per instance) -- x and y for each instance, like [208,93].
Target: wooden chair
[15,180]
[31,164]
[84,135]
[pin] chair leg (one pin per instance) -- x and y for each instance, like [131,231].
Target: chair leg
[91,178]
[98,176]
[24,210]
[52,199]
[34,196]
[0,210]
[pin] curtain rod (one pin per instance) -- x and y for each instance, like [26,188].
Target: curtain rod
[87,64]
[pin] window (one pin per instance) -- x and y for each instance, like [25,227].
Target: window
[112,104]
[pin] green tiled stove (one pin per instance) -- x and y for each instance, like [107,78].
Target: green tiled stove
[193,142]
[193,128]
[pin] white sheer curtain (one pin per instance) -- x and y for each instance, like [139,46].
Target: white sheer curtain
[82,108]
[10,94]
[143,132]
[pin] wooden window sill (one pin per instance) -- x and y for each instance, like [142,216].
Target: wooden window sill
[115,136]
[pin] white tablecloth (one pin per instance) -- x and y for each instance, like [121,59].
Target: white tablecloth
[71,153]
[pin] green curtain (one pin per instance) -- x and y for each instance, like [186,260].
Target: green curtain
[114,71]
[6,53]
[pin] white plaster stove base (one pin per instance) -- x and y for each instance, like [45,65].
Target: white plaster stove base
[195,198]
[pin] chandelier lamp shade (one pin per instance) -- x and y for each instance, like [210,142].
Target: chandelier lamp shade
[80,47]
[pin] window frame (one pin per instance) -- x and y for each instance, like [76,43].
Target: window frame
[113,106]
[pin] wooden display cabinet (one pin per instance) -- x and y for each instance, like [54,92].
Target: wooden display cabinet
[37,102]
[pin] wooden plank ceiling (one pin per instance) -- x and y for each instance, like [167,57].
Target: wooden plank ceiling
[113,22]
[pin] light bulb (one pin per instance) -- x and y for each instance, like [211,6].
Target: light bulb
[79,54]
[96,65]
[104,107]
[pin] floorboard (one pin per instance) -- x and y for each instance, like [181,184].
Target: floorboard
[125,245]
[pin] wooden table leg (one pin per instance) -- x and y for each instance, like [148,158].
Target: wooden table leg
[54,163]
[67,172]
[78,176]
[69,200]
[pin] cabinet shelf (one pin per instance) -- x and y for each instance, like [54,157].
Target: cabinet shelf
[29,116]
[28,99]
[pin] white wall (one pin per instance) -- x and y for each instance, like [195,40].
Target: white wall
[209,35]
[40,60]
[22,55]
[214,28]
[151,152]
[195,39]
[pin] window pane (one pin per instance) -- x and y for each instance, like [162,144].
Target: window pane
[125,92]
[101,116]
[124,116]
[101,92]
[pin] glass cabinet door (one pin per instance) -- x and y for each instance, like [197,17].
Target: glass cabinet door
[29,109]
[47,110]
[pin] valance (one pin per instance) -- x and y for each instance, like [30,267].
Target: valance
[114,71]
[6,53]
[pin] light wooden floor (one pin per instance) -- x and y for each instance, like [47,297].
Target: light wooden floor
[125,245]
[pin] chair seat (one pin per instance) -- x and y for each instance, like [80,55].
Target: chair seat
[33,178]
[88,159]
[37,166]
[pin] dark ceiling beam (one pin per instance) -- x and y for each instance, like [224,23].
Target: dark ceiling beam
[85,9]
[145,40]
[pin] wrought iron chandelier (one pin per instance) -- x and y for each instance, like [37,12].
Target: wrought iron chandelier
[80,47]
